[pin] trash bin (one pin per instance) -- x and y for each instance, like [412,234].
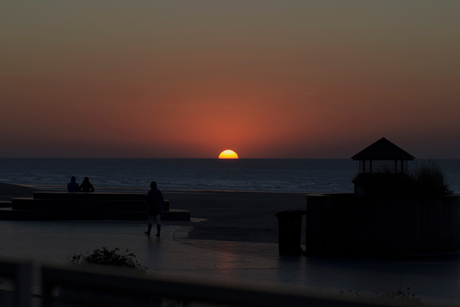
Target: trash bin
[289,230]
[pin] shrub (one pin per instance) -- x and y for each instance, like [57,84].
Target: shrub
[113,257]
[428,179]
[400,297]
[108,257]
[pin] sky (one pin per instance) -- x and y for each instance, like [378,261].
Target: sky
[267,79]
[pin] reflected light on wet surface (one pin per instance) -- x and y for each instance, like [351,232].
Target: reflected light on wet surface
[227,263]
[153,249]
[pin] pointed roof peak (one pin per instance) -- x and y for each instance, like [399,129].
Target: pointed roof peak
[383,150]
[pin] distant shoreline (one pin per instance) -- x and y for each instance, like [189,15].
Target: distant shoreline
[133,189]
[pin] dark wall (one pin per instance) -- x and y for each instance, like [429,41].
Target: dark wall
[345,224]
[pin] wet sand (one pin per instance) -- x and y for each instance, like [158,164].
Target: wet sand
[228,216]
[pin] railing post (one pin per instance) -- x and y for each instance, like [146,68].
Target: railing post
[47,288]
[23,284]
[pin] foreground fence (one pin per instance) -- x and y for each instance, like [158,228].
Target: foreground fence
[106,286]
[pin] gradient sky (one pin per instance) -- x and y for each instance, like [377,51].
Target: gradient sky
[189,79]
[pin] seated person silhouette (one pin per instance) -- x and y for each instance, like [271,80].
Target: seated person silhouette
[86,186]
[73,186]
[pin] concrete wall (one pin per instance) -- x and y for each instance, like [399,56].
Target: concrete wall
[350,225]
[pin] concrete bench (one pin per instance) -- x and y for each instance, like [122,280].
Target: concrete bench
[91,205]
[81,201]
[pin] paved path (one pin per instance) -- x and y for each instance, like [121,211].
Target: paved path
[174,254]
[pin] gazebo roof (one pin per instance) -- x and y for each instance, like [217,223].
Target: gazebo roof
[383,150]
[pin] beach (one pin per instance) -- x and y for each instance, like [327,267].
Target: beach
[218,215]
[9,191]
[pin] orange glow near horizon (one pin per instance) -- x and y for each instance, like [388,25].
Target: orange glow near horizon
[228,154]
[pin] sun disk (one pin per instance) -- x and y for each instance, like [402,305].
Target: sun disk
[228,154]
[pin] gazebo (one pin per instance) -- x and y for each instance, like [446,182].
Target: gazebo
[382,217]
[377,162]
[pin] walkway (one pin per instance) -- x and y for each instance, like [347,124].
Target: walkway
[174,254]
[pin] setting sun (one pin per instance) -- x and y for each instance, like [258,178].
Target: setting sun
[228,154]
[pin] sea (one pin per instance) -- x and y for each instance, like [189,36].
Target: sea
[264,175]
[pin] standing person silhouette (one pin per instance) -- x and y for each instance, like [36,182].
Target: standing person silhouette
[73,186]
[86,186]
[155,208]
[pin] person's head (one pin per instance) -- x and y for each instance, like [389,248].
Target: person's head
[73,179]
[153,184]
[86,179]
